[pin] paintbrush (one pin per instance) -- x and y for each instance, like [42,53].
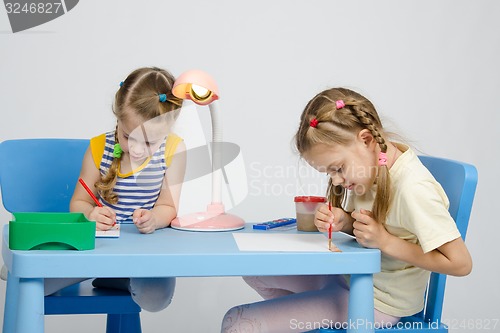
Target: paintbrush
[330,229]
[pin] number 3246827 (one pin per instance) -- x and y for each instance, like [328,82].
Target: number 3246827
[33,8]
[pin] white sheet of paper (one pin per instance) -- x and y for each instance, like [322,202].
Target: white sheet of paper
[114,232]
[281,242]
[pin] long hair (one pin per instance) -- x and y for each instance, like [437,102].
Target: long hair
[337,126]
[139,92]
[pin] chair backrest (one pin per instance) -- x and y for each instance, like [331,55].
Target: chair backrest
[39,175]
[459,181]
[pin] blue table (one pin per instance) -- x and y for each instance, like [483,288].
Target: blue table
[170,252]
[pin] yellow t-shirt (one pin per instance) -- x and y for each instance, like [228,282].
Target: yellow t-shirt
[418,214]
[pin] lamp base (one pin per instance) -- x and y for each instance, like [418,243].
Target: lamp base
[214,219]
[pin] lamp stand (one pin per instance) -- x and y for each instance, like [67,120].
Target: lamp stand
[214,218]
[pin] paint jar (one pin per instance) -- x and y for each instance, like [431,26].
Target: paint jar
[305,207]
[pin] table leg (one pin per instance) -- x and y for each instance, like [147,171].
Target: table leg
[30,306]
[361,310]
[10,309]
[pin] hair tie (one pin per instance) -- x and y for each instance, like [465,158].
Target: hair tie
[121,83]
[117,151]
[382,159]
[313,122]
[162,97]
[339,104]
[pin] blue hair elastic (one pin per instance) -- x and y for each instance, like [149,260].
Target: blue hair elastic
[121,83]
[162,97]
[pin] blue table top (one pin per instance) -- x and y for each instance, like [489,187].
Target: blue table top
[170,252]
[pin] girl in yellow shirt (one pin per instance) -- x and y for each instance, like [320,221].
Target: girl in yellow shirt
[394,204]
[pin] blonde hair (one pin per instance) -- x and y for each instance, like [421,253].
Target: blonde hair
[140,92]
[337,126]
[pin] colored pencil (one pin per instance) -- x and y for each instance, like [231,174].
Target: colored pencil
[90,192]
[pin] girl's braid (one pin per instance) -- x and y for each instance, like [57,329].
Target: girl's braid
[107,183]
[366,119]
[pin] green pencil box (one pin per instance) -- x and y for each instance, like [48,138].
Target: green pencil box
[51,231]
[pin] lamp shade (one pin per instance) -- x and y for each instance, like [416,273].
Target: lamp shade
[197,86]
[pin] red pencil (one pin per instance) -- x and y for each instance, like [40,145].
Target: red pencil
[330,229]
[90,192]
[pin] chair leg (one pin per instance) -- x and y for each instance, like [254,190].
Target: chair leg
[124,323]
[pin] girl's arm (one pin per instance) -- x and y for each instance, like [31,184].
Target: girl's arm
[451,258]
[166,207]
[81,200]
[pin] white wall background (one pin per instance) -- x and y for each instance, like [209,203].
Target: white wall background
[430,67]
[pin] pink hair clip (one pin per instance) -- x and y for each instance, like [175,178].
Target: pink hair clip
[339,104]
[382,159]
[313,122]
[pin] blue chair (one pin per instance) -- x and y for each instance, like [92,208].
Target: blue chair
[459,181]
[39,175]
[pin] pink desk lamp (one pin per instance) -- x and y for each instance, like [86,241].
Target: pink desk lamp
[199,87]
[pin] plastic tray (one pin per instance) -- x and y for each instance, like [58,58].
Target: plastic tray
[51,231]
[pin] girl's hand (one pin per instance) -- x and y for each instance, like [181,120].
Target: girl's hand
[144,221]
[324,218]
[104,217]
[367,231]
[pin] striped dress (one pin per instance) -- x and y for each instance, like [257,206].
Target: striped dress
[139,188]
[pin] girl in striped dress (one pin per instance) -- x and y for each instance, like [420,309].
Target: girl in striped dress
[136,172]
